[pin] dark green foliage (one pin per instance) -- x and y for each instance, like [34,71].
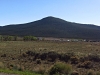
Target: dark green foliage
[53,27]
[29,38]
[8,38]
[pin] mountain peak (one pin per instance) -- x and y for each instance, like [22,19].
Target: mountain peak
[53,19]
[49,17]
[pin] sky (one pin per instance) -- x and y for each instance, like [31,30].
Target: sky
[24,11]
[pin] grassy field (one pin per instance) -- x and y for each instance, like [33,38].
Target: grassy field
[81,47]
[10,52]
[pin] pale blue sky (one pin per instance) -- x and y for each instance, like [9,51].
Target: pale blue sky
[23,11]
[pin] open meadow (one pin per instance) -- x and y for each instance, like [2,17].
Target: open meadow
[40,56]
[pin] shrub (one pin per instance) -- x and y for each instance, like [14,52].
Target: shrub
[64,57]
[16,67]
[1,65]
[24,55]
[86,64]
[4,55]
[38,61]
[41,70]
[52,56]
[97,73]
[74,73]
[30,53]
[43,56]
[60,68]
[90,72]
[37,56]
[82,59]
[94,57]
[74,60]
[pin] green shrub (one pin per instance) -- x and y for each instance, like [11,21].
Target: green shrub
[60,68]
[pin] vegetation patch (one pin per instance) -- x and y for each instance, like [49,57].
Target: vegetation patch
[18,72]
[41,56]
[60,69]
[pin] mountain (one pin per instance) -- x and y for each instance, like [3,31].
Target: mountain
[53,27]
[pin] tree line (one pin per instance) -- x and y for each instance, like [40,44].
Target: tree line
[17,38]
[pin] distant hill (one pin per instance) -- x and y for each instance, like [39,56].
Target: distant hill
[53,27]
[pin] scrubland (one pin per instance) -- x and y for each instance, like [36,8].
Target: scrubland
[81,58]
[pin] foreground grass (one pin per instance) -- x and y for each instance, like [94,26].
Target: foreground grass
[18,72]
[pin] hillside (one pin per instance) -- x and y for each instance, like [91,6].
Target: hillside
[53,27]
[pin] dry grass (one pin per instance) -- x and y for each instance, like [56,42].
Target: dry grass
[42,46]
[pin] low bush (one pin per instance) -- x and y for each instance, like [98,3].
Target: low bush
[4,55]
[86,64]
[90,72]
[38,61]
[1,65]
[43,56]
[52,56]
[16,67]
[97,73]
[94,57]
[64,57]
[74,73]
[41,70]
[60,68]
[74,60]
[30,53]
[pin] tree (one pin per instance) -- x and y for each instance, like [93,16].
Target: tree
[1,38]
[29,38]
